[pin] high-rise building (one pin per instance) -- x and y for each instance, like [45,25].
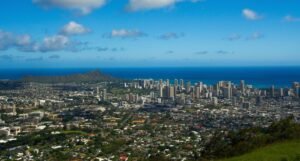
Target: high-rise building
[296,86]
[272,91]
[176,82]
[217,90]
[227,92]
[168,82]
[281,93]
[188,87]
[166,91]
[242,86]
[160,82]
[97,92]
[181,84]
[226,89]
[200,84]
[104,95]
[172,92]
[197,92]
[161,91]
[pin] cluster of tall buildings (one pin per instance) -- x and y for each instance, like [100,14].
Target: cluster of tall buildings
[101,95]
[222,89]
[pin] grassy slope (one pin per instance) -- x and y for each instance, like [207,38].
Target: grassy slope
[276,152]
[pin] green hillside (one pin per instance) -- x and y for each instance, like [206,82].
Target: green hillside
[285,151]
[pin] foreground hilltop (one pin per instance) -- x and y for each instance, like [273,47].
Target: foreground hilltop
[92,76]
[282,151]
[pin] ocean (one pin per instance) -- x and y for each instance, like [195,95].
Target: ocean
[257,76]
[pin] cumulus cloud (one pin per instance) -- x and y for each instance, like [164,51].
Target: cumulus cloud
[73,28]
[24,43]
[250,14]
[138,5]
[11,40]
[57,42]
[290,18]
[171,35]
[54,43]
[123,33]
[83,6]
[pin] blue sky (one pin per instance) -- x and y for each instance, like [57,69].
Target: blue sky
[146,33]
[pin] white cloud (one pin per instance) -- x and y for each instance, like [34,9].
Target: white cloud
[10,40]
[250,14]
[54,43]
[137,5]
[83,6]
[289,18]
[73,28]
[24,43]
[123,33]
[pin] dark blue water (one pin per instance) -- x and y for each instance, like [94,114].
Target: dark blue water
[258,76]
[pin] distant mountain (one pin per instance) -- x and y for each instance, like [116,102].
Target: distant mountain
[93,76]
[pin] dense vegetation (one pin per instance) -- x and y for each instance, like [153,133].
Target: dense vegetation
[283,151]
[93,76]
[226,145]
[280,141]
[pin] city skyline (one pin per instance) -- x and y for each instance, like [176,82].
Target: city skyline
[132,33]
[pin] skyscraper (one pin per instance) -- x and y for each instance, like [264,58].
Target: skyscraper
[272,91]
[200,84]
[226,89]
[104,95]
[188,87]
[171,92]
[197,92]
[296,86]
[161,91]
[97,92]
[181,84]
[176,82]
[281,93]
[168,82]
[242,86]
